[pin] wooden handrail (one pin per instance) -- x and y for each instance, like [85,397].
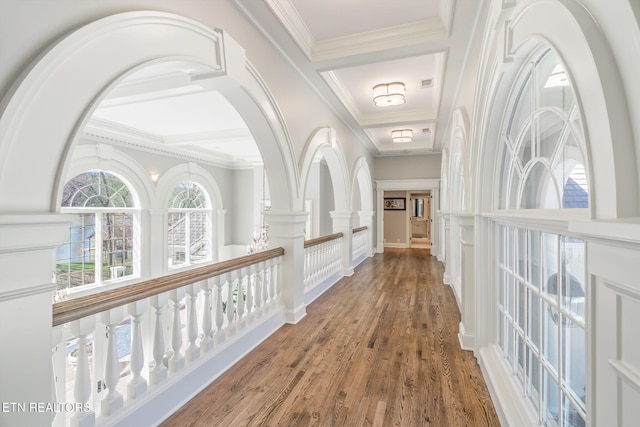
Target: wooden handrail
[78,308]
[359,229]
[320,240]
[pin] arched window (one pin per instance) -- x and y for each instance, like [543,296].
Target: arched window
[541,272]
[101,241]
[188,233]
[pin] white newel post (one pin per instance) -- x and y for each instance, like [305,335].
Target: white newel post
[159,372]
[138,385]
[193,351]
[113,401]
[467,332]
[343,223]
[286,230]
[176,362]
[27,261]
[366,219]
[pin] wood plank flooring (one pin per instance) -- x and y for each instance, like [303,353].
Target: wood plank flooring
[379,348]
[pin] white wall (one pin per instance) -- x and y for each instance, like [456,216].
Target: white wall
[411,167]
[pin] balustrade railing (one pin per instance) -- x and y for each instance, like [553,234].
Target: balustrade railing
[116,346]
[322,259]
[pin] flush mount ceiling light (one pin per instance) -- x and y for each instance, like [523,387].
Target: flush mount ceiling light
[387,94]
[401,135]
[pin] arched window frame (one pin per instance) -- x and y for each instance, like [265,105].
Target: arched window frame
[118,211]
[540,268]
[189,217]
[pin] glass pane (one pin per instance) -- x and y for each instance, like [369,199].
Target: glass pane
[534,258]
[520,365]
[521,252]
[75,260]
[524,148]
[505,181]
[550,399]
[521,305]
[573,276]
[554,87]
[533,326]
[117,245]
[522,110]
[549,127]
[533,378]
[188,195]
[96,189]
[568,167]
[550,263]
[501,332]
[177,238]
[540,190]
[574,361]
[550,318]
[199,236]
[571,417]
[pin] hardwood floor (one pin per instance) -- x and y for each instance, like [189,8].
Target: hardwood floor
[379,348]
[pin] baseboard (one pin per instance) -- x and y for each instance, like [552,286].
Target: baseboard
[467,339]
[396,245]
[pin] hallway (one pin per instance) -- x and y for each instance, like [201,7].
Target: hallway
[379,348]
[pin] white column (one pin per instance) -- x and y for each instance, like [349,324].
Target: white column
[467,331]
[366,219]
[343,223]
[27,260]
[287,230]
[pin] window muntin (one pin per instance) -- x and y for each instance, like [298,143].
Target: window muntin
[541,275]
[100,247]
[543,142]
[188,225]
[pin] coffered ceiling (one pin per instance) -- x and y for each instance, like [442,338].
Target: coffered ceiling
[346,47]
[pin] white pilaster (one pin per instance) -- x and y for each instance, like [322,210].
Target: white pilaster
[27,262]
[467,333]
[343,223]
[447,256]
[286,229]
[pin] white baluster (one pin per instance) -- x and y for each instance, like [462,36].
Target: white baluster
[138,385]
[82,382]
[206,343]
[259,282]
[219,282]
[113,401]
[240,300]
[251,282]
[193,351]
[159,371]
[230,308]
[176,362]
[272,284]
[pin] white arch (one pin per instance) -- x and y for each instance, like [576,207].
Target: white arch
[573,34]
[458,162]
[187,172]
[324,141]
[362,179]
[107,50]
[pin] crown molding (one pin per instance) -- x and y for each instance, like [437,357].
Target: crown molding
[294,24]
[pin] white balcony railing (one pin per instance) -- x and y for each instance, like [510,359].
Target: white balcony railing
[322,259]
[359,246]
[114,351]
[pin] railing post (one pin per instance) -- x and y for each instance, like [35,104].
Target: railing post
[343,223]
[287,230]
[138,385]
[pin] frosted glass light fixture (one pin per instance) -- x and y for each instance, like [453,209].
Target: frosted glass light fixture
[387,94]
[401,135]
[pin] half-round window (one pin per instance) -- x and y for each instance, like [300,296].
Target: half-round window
[543,160]
[188,232]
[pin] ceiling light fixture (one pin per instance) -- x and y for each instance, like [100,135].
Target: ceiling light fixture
[401,135]
[387,94]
